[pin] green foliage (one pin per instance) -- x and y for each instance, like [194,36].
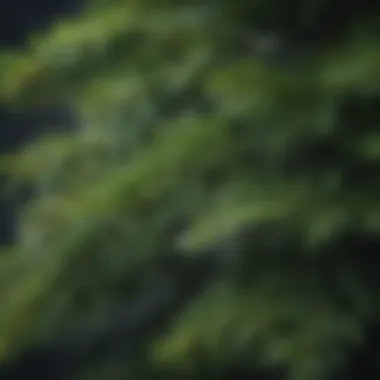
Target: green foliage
[180,121]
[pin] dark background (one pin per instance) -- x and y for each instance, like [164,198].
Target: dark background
[18,20]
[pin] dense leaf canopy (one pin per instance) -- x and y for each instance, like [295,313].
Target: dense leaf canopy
[214,128]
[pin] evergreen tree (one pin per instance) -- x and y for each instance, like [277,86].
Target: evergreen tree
[227,147]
